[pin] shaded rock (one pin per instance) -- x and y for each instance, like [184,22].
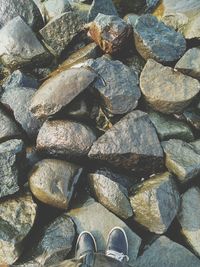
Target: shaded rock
[102,121]
[136,63]
[100,224]
[156,203]
[78,108]
[111,195]
[17,216]
[82,9]
[32,156]
[60,90]
[166,90]
[52,182]
[137,147]
[20,46]
[164,252]
[12,159]
[111,33]
[153,39]
[54,8]
[193,117]
[181,159]
[66,138]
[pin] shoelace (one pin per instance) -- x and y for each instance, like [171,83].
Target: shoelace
[117,255]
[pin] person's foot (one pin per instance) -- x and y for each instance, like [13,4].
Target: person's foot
[85,244]
[117,245]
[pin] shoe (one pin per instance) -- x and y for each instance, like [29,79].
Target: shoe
[85,244]
[117,245]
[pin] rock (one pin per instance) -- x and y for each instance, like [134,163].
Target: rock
[155,40]
[92,216]
[193,117]
[136,63]
[111,195]
[181,159]
[17,216]
[196,146]
[18,99]
[54,8]
[78,109]
[164,252]
[60,90]
[168,128]
[102,120]
[32,156]
[24,8]
[156,203]
[111,33]
[137,147]
[82,9]
[20,46]
[60,31]
[189,63]
[166,90]
[12,159]
[189,218]
[52,182]
[66,138]
[105,7]
[131,19]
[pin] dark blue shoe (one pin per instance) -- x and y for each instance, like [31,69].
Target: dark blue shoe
[85,244]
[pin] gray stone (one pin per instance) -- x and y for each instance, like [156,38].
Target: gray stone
[196,145]
[131,18]
[12,154]
[153,39]
[166,90]
[54,8]
[192,116]
[136,63]
[132,143]
[156,203]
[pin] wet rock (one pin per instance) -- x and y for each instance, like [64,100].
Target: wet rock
[153,39]
[60,90]
[111,195]
[181,159]
[168,128]
[189,218]
[156,203]
[60,31]
[12,154]
[137,147]
[164,252]
[189,63]
[52,182]
[117,86]
[18,99]
[20,46]
[111,33]
[166,90]
[17,216]
[66,138]
[100,224]
[54,8]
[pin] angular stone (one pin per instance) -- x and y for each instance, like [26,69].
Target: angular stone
[66,138]
[132,143]
[12,156]
[181,159]
[164,252]
[92,216]
[17,216]
[60,90]
[20,46]
[166,90]
[153,39]
[117,86]
[156,203]
[54,8]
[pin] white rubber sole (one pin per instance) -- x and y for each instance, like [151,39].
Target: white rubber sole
[119,228]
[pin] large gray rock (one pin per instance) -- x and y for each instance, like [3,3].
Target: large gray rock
[17,216]
[54,8]
[12,156]
[132,143]
[166,90]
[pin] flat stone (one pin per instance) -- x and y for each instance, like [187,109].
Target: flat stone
[12,154]
[20,46]
[17,216]
[60,90]
[137,147]
[156,203]
[92,216]
[164,252]
[52,182]
[118,85]
[181,159]
[166,90]
[54,8]
[66,138]
[189,63]
[153,39]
